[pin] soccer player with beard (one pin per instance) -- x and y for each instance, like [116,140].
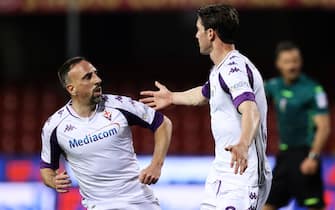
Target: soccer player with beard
[240,176]
[93,133]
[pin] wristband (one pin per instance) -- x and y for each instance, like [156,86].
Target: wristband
[313,155]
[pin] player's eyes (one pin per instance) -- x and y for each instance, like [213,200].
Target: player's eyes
[88,76]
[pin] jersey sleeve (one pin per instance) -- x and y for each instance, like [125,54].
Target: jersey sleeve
[237,81]
[138,113]
[319,101]
[51,150]
[206,90]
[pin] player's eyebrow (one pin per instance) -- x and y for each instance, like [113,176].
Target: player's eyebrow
[88,75]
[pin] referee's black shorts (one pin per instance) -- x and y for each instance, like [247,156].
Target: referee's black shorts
[288,181]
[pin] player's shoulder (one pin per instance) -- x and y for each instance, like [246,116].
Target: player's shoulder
[272,84]
[234,58]
[55,119]
[273,81]
[235,62]
[307,80]
[117,101]
[313,85]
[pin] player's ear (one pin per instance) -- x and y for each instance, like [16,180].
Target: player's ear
[71,89]
[210,34]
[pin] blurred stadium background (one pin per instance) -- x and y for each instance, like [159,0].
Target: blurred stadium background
[133,43]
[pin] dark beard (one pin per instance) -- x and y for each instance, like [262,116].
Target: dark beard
[95,100]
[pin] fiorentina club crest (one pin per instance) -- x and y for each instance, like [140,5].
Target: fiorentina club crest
[108,115]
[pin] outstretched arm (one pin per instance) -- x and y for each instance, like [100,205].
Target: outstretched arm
[164,97]
[151,174]
[61,182]
[249,124]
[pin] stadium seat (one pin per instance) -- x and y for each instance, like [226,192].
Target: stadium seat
[10,99]
[174,116]
[192,128]
[146,141]
[207,143]
[29,100]
[24,113]
[273,138]
[8,143]
[28,143]
[9,122]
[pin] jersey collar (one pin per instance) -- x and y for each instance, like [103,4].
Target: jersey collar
[297,81]
[73,113]
[225,58]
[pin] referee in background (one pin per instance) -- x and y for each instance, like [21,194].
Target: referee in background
[303,123]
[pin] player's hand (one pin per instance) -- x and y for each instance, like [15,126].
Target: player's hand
[62,182]
[239,157]
[150,175]
[157,99]
[309,166]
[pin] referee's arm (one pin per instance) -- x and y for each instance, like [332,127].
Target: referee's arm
[310,165]
[322,123]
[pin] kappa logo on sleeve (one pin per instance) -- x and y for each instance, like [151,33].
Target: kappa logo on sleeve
[119,98]
[60,112]
[233,70]
[131,101]
[232,63]
[253,195]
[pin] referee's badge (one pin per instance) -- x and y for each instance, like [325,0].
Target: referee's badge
[108,115]
[321,100]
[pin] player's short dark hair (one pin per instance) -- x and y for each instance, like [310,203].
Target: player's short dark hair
[222,18]
[66,67]
[285,46]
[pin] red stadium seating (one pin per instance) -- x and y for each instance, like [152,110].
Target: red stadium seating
[25,109]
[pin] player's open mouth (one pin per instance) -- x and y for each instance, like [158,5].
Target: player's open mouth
[98,90]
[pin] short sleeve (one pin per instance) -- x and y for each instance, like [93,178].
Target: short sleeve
[206,90]
[319,101]
[51,150]
[237,81]
[138,113]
